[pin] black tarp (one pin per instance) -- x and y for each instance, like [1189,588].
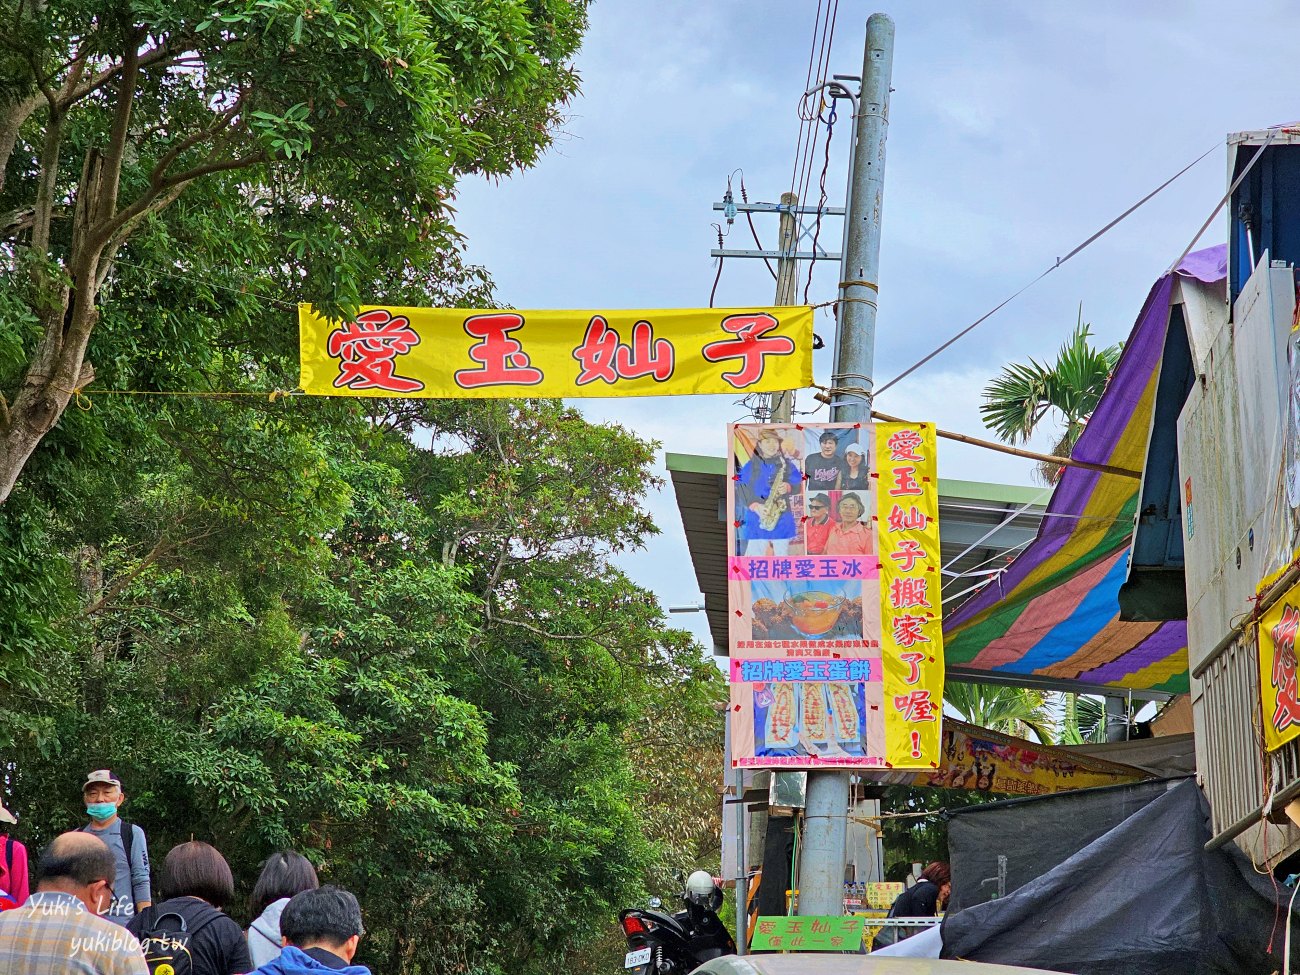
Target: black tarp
[1144,898]
[1033,834]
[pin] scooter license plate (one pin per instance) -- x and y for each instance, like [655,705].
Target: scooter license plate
[634,959]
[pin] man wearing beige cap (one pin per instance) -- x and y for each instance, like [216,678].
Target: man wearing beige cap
[13,866]
[103,796]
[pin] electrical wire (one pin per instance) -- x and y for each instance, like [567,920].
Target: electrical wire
[1272,134]
[821,201]
[1011,516]
[1286,961]
[824,26]
[749,217]
[1059,261]
[812,53]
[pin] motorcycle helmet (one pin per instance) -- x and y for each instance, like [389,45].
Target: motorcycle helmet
[702,891]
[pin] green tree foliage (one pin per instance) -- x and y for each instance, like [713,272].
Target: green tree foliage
[1015,711]
[346,123]
[1081,719]
[418,666]
[915,828]
[1024,394]
[387,633]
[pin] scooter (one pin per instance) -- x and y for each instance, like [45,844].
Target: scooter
[660,943]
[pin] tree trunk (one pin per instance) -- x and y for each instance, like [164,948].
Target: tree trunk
[58,369]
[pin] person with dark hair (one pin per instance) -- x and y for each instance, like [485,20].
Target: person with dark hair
[922,899]
[823,469]
[819,524]
[60,928]
[856,475]
[188,931]
[283,875]
[321,929]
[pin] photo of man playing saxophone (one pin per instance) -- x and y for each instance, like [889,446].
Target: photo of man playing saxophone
[767,490]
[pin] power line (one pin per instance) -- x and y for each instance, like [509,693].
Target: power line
[821,200]
[798,146]
[1059,261]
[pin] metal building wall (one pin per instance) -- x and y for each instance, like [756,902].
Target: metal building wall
[1238,528]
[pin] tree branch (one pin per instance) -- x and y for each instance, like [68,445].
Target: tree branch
[49,173]
[117,135]
[11,120]
[154,57]
[159,173]
[160,549]
[207,169]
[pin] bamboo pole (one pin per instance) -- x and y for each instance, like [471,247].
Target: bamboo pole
[1017,452]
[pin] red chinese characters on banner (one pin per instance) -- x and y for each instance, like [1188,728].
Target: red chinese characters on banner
[366,350]
[749,345]
[908,630]
[1287,711]
[909,553]
[902,446]
[905,484]
[908,592]
[604,357]
[503,361]
[910,618]
[916,706]
[911,519]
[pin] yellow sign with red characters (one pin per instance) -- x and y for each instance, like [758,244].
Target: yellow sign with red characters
[834,596]
[911,603]
[1280,703]
[453,353]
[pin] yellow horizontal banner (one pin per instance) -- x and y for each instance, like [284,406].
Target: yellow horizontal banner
[450,353]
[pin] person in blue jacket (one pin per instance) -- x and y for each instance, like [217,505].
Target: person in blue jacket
[321,929]
[764,488]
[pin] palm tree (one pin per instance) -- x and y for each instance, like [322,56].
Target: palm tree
[1023,394]
[1010,710]
[1082,720]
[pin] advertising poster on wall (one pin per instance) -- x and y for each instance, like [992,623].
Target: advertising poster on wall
[834,596]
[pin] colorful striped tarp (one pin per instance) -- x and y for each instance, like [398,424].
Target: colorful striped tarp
[1055,611]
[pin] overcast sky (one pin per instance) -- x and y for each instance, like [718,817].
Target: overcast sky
[1017,129]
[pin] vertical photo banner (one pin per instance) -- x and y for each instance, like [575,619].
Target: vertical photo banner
[810,683]
[911,597]
[1279,701]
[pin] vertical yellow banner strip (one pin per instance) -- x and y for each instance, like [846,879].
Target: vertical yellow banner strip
[911,599]
[1279,684]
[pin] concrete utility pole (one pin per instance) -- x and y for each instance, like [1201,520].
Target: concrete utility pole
[787,287]
[821,863]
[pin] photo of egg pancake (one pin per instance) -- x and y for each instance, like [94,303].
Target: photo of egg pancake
[816,719]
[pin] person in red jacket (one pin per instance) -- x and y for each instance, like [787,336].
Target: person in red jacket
[819,524]
[14,883]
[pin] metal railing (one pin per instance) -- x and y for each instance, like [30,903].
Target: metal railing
[1230,756]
